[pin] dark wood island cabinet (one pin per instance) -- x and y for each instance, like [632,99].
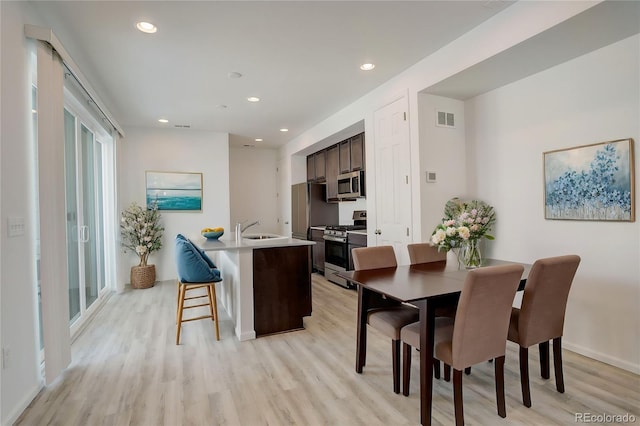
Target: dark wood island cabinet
[281,288]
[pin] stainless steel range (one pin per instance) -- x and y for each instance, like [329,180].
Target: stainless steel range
[336,247]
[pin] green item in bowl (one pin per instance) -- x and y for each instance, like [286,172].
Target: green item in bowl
[212,235]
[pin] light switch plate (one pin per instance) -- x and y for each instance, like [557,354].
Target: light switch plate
[16,226]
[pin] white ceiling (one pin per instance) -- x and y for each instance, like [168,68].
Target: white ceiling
[300,57]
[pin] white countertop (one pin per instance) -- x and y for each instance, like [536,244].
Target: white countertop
[360,232]
[231,244]
[319,228]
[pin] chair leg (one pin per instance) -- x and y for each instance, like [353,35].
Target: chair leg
[467,371]
[180,309]
[557,363]
[214,308]
[447,372]
[178,301]
[436,368]
[395,357]
[544,359]
[500,402]
[524,376]
[457,397]
[406,368]
[213,316]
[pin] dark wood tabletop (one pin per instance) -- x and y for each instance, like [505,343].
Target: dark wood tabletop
[409,283]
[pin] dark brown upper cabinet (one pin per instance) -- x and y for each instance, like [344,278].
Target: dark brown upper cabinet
[357,152]
[345,156]
[352,154]
[333,170]
[316,167]
[320,165]
[311,169]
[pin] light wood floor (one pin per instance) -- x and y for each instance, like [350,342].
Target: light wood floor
[127,370]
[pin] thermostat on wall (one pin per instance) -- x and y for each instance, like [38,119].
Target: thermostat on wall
[431,176]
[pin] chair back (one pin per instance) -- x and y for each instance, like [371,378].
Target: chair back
[482,319]
[545,297]
[373,257]
[191,266]
[425,253]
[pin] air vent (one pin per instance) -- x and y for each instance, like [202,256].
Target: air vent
[182,126]
[445,119]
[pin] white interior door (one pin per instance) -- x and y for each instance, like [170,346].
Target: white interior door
[393,187]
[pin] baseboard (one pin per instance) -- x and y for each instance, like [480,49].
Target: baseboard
[607,359]
[19,409]
[248,335]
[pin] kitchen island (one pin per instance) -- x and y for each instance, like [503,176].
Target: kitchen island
[266,283]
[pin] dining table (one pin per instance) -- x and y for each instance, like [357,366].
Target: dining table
[426,286]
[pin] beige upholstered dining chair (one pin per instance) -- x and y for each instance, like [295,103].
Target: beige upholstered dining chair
[479,332]
[540,317]
[388,321]
[425,253]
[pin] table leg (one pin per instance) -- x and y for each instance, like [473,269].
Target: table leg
[361,340]
[427,321]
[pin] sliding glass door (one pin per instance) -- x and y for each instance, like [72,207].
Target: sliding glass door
[86,254]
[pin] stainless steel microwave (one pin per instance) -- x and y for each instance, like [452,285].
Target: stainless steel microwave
[351,185]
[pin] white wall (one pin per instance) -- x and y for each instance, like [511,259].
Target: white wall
[443,151]
[254,191]
[174,150]
[594,98]
[20,378]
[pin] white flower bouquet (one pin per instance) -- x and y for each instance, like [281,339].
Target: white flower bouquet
[463,222]
[141,231]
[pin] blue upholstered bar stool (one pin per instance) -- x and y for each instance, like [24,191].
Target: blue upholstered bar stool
[195,270]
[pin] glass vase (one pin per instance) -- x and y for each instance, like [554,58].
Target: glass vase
[469,256]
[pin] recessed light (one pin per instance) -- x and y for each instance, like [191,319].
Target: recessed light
[253,99]
[367,67]
[284,130]
[163,120]
[258,139]
[146,27]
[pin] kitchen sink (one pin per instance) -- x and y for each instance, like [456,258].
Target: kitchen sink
[257,237]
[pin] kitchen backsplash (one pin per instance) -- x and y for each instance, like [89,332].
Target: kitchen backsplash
[346,208]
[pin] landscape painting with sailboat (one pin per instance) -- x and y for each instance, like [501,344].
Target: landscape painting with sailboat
[174,190]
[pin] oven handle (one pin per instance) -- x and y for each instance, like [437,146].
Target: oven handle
[336,239]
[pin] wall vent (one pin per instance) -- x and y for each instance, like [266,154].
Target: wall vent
[182,126]
[445,119]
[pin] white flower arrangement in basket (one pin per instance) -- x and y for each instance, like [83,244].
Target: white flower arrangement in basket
[141,231]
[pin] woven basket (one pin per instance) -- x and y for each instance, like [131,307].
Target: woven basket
[143,276]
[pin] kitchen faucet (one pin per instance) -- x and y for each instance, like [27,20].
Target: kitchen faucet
[240,229]
[257,222]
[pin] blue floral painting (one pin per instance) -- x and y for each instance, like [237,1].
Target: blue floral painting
[592,182]
[174,191]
